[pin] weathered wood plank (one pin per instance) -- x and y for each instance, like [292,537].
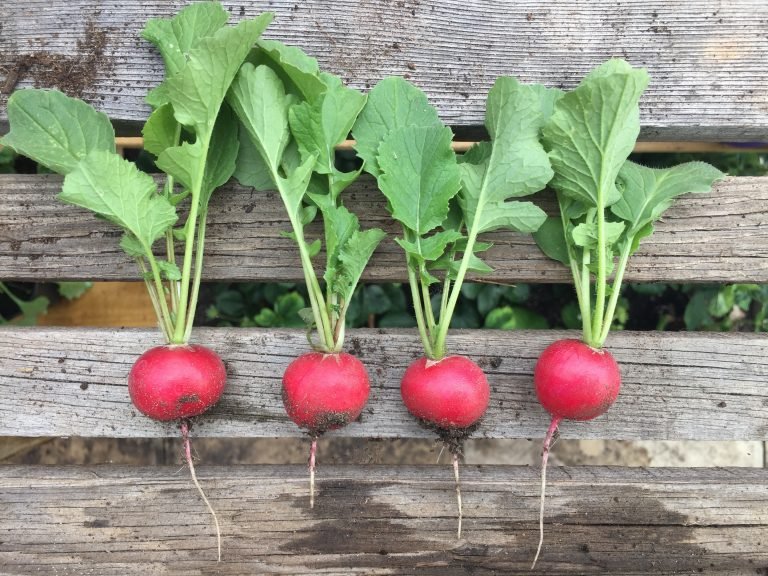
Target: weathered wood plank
[717,237]
[67,382]
[382,520]
[707,58]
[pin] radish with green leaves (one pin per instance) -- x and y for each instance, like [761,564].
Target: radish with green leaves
[607,206]
[443,205]
[292,116]
[192,132]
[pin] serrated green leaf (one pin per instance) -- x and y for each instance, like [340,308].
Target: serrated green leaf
[169,270]
[112,187]
[339,224]
[353,256]
[430,248]
[55,130]
[647,192]
[320,125]
[592,131]
[515,164]
[393,103]
[299,72]
[585,234]
[198,90]
[72,290]
[258,98]
[175,37]
[419,175]
[294,188]
[550,238]
[160,130]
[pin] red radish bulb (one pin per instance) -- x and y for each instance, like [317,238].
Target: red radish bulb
[323,392]
[177,382]
[449,393]
[574,381]
[174,382]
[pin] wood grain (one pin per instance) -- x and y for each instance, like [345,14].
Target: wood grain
[72,382]
[382,520]
[707,58]
[717,237]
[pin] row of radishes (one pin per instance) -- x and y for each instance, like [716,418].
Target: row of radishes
[233,104]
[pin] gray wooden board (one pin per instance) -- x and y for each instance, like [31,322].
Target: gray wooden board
[382,520]
[717,237]
[707,58]
[72,382]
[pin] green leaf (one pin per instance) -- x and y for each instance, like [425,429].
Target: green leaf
[222,154]
[550,238]
[430,248]
[251,170]
[592,131]
[175,37]
[419,175]
[647,192]
[585,234]
[198,90]
[258,98]
[55,130]
[131,246]
[393,103]
[31,310]
[515,318]
[72,290]
[160,130]
[354,256]
[112,187]
[321,125]
[298,71]
[339,224]
[169,270]
[182,162]
[516,164]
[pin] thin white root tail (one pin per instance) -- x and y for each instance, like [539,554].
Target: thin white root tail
[190,463]
[544,457]
[458,492]
[312,453]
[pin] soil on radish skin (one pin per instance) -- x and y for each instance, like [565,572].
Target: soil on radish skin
[452,438]
[330,421]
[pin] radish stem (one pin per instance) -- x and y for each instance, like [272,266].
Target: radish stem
[188,454]
[544,458]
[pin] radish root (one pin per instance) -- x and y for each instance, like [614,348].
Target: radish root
[312,453]
[544,457]
[458,492]
[188,453]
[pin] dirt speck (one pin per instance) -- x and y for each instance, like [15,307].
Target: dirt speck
[72,74]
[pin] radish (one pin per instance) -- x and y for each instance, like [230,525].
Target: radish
[607,205]
[176,382]
[193,134]
[443,204]
[292,117]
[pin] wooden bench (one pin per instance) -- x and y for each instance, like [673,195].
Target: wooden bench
[709,66]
